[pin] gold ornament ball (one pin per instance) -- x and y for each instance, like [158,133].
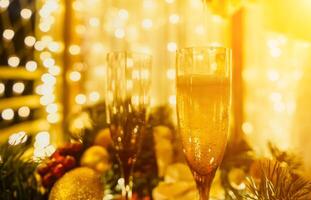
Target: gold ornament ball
[103,138]
[78,184]
[97,158]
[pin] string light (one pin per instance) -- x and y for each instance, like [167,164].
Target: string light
[171,46]
[26,13]
[8,34]
[94,96]
[174,18]
[147,23]
[2,88]
[80,99]
[123,14]
[31,66]
[18,87]
[7,114]
[169,1]
[24,111]
[94,22]
[13,61]
[51,108]
[74,49]
[172,100]
[75,76]
[30,40]
[170,73]
[119,33]
[4,4]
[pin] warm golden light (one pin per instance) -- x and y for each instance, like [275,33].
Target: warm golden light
[31,66]
[94,96]
[30,41]
[26,13]
[24,111]
[74,49]
[147,23]
[8,34]
[119,33]
[80,99]
[2,89]
[75,76]
[7,114]
[18,87]
[174,18]
[13,61]
[4,4]
[172,46]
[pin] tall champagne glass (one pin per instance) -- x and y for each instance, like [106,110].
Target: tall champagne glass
[203,106]
[128,84]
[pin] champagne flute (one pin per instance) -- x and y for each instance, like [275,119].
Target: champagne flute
[203,77]
[127,100]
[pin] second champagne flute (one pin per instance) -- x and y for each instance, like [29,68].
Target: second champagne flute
[127,101]
[203,107]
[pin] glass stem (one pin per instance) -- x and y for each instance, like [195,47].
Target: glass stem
[203,191]
[204,184]
[127,187]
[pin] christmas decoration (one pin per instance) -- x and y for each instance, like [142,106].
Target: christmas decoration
[79,184]
[17,173]
[61,161]
[97,158]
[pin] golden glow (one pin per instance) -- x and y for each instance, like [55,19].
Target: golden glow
[171,74]
[24,111]
[48,62]
[123,14]
[75,76]
[172,46]
[174,18]
[80,99]
[94,96]
[119,33]
[74,49]
[51,108]
[26,13]
[31,66]
[13,61]
[7,114]
[30,41]
[8,34]
[53,118]
[172,100]
[54,70]
[2,88]
[147,23]
[18,87]
[4,4]
[94,22]
[247,128]
[42,140]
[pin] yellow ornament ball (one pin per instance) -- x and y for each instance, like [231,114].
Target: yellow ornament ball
[78,184]
[97,158]
[103,138]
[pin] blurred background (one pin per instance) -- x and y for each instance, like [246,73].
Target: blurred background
[52,62]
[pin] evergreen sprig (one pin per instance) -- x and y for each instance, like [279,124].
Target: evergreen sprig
[17,174]
[277,182]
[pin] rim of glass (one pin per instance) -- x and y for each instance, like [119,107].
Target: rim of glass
[194,49]
[126,52]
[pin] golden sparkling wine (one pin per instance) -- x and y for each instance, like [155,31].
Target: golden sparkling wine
[203,104]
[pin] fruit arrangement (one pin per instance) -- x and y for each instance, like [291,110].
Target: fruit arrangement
[62,160]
